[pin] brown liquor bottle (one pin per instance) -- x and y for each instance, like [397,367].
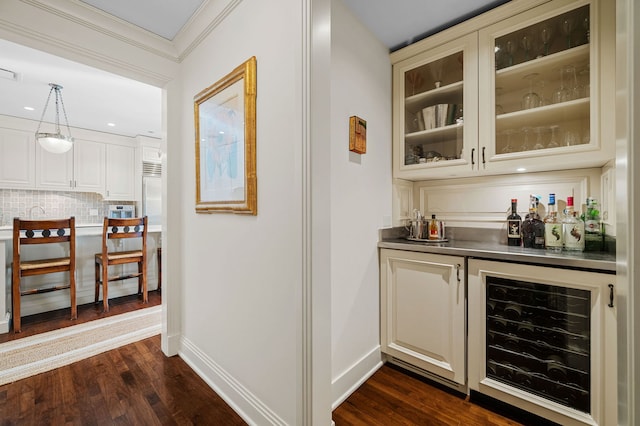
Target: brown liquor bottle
[514,225]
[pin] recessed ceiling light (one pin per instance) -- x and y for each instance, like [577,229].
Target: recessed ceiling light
[521,169]
[111,125]
[29,108]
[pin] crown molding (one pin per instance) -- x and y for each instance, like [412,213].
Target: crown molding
[210,14]
[94,19]
[81,32]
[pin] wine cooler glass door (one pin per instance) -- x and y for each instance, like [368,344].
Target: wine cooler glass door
[536,336]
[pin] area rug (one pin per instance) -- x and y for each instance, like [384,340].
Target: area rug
[43,352]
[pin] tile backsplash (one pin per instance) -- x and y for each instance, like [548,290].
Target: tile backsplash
[52,204]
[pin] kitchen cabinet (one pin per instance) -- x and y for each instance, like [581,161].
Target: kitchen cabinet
[533,90]
[544,339]
[151,154]
[120,173]
[17,169]
[435,110]
[80,169]
[422,299]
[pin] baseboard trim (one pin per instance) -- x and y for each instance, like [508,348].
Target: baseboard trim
[240,399]
[351,379]
[44,352]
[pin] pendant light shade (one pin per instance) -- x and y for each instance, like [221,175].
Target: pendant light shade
[56,143]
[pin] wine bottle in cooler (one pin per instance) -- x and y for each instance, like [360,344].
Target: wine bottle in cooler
[514,225]
[553,235]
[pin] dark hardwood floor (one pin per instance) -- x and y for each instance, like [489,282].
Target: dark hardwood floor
[53,320]
[393,396]
[137,385]
[132,385]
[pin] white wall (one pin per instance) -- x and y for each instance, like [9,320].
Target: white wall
[240,280]
[360,197]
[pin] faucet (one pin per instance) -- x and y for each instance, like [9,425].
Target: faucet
[36,207]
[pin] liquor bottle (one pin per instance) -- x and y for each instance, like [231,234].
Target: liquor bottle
[553,227]
[434,229]
[533,226]
[593,227]
[514,224]
[573,229]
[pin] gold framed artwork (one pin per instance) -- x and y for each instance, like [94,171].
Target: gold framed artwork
[225,132]
[357,135]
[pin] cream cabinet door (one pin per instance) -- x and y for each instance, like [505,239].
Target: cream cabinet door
[54,171]
[16,159]
[423,311]
[89,165]
[121,180]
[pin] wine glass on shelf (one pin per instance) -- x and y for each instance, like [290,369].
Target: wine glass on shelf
[570,138]
[531,99]
[511,47]
[507,148]
[553,142]
[567,25]
[562,93]
[575,89]
[539,145]
[546,33]
[499,107]
[527,42]
[525,140]
[585,81]
[586,26]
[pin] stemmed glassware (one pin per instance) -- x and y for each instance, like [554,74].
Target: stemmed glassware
[553,143]
[527,42]
[511,47]
[508,148]
[539,145]
[562,94]
[546,32]
[525,141]
[568,24]
[531,99]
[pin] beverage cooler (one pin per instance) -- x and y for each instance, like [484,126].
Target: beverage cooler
[543,339]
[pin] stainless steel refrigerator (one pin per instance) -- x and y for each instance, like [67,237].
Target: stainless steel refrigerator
[152,193]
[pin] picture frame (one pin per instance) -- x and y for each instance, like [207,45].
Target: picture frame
[225,136]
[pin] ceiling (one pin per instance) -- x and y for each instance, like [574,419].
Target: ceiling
[94,98]
[402,22]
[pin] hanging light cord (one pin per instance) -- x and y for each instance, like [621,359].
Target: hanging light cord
[57,88]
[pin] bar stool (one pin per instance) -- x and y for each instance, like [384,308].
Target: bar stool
[119,229]
[40,232]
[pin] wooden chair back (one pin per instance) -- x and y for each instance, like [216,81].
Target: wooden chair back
[121,229]
[40,232]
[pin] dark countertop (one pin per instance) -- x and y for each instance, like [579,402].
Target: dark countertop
[491,249]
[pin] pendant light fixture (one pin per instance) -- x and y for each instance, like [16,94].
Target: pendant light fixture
[56,143]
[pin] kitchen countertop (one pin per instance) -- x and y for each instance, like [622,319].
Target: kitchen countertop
[491,249]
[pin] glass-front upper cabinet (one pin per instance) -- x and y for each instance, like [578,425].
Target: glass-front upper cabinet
[540,86]
[435,104]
